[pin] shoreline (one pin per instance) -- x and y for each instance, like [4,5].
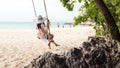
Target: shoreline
[18,29]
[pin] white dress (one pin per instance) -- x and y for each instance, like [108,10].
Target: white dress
[39,30]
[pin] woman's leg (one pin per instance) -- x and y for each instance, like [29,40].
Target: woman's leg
[50,37]
[55,43]
[49,44]
[52,41]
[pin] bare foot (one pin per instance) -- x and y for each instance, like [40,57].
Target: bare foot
[57,44]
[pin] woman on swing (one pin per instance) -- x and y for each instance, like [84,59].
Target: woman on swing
[43,30]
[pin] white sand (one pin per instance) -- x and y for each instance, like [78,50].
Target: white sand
[19,47]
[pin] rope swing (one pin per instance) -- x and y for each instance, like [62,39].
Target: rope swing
[34,8]
[48,35]
[48,22]
[45,8]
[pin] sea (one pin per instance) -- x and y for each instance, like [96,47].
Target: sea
[25,25]
[32,25]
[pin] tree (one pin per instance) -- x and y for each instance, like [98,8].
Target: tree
[104,18]
[111,24]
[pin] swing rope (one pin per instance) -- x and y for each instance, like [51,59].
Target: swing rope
[48,22]
[34,8]
[45,8]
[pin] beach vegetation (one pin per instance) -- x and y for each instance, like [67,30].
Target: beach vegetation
[104,13]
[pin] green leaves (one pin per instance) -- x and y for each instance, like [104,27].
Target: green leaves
[79,19]
[79,0]
[64,2]
[68,4]
[89,11]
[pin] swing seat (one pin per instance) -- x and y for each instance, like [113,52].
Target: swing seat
[48,37]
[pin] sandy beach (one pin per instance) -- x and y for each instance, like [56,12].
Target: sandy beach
[19,47]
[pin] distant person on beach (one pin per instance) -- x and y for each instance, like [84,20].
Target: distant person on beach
[43,30]
[58,25]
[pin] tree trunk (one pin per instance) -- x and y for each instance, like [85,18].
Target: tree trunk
[110,22]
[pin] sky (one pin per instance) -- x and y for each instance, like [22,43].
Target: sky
[22,10]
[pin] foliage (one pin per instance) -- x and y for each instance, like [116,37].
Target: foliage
[68,4]
[90,11]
